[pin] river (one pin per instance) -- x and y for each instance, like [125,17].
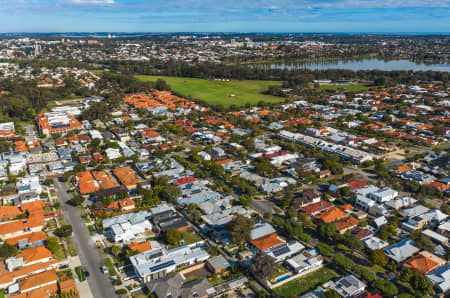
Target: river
[364,64]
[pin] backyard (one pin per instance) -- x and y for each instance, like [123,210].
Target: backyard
[305,283]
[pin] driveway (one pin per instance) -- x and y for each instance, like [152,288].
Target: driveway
[262,206]
[89,255]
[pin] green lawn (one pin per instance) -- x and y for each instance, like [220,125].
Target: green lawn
[279,270]
[354,88]
[218,93]
[109,265]
[306,283]
[190,237]
[71,249]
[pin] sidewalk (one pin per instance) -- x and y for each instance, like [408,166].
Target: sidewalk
[82,287]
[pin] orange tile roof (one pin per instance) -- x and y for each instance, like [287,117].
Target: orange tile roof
[9,277]
[20,225]
[317,207]
[267,242]
[86,183]
[127,176]
[42,122]
[331,215]
[37,279]
[34,254]
[346,223]
[45,291]
[67,285]
[140,247]
[32,237]
[20,146]
[222,162]
[9,212]
[104,180]
[438,186]
[424,262]
[125,203]
[402,169]
[355,184]
[33,208]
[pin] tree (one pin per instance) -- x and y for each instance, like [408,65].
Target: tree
[425,243]
[77,200]
[327,230]
[291,213]
[378,257]
[170,193]
[332,294]
[325,249]
[262,265]
[239,229]
[79,168]
[7,251]
[387,288]
[173,236]
[421,284]
[365,273]
[64,231]
[265,168]
[343,262]
[116,249]
[245,200]
[53,245]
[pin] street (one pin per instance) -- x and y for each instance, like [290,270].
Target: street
[89,255]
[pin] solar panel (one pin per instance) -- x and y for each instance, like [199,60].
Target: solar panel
[280,250]
[162,266]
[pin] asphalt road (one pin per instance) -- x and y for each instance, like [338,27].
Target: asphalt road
[89,256]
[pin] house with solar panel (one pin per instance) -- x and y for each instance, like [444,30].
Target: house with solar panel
[273,245]
[157,263]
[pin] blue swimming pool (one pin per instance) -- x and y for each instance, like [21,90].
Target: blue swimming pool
[282,278]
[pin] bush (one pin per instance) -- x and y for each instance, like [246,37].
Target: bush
[121,292]
[7,251]
[325,249]
[387,288]
[343,262]
[305,237]
[365,273]
[64,231]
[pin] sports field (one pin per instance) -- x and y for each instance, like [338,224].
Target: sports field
[223,93]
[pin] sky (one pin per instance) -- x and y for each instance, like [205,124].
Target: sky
[225,16]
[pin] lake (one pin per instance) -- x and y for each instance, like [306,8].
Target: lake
[364,64]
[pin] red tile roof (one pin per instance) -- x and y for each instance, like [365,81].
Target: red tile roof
[316,207]
[331,215]
[267,242]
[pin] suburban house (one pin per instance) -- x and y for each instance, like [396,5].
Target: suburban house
[306,261]
[424,262]
[401,251]
[127,177]
[128,226]
[174,285]
[157,263]
[441,278]
[348,286]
